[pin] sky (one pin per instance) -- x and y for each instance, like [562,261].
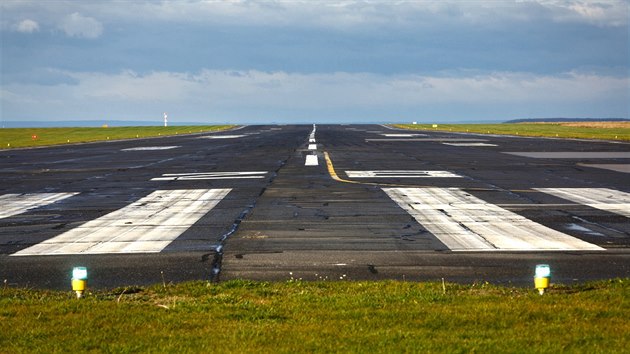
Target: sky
[256,62]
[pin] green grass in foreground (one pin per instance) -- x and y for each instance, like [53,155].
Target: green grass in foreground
[28,137]
[524,129]
[388,316]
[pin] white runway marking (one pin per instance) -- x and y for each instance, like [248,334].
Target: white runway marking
[209,175]
[574,155]
[469,144]
[599,198]
[400,174]
[623,168]
[402,135]
[13,204]
[425,139]
[312,146]
[146,226]
[466,223]
[151,148]
[222,136]
[311,160]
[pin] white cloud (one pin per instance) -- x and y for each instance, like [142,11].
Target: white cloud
[27,26]
[77,25]
[343,15]
[198,94]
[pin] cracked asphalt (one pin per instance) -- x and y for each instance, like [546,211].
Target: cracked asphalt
[298,222]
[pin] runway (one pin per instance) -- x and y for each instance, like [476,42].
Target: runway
[324,202]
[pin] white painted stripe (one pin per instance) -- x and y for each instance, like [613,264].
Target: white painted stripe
[13,204]
[574,155]
[146,226]
[400,174]
[151,148]
[466,223]
[424,139]
[311,140]
[469,144]
[210,176]
[615,201]
[401,135]
[623,168]
[311,160]
[198,178]
[222,136]
[312,146]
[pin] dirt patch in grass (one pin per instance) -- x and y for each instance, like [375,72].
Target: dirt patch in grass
[603,125]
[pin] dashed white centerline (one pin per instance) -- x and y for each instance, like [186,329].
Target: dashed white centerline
[599,198]
[13,204]
[466,223]
[311,160]
[146,226]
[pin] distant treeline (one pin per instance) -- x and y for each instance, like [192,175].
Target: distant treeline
[558,120]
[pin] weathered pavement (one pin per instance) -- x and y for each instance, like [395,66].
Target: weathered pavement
[405,205]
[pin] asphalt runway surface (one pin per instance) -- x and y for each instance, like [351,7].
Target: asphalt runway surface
[325,202]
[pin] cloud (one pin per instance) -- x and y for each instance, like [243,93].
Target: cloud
[337,15]
[77,25]
[27,26]
[263,95]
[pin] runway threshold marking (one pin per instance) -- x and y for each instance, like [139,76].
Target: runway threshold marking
[13,204]
[466,223]
[145,226]
[401,174]
[611,200]
[193,176]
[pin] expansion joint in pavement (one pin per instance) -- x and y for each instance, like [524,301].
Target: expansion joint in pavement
[218,254]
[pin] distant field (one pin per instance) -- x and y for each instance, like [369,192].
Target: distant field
[577,130]
[29,137]
[341,316]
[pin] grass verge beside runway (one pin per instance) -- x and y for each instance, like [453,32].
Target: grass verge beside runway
[595,130]
[296,316]
[29,137]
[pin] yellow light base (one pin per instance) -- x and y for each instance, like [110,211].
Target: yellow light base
[541,284]
[79,286]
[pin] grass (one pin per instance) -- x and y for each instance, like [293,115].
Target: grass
[296,316]
[598,130]
[29,137]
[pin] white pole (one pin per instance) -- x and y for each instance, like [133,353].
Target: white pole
[165,119]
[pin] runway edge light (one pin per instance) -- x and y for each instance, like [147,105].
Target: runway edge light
[541,278]
[79,280]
